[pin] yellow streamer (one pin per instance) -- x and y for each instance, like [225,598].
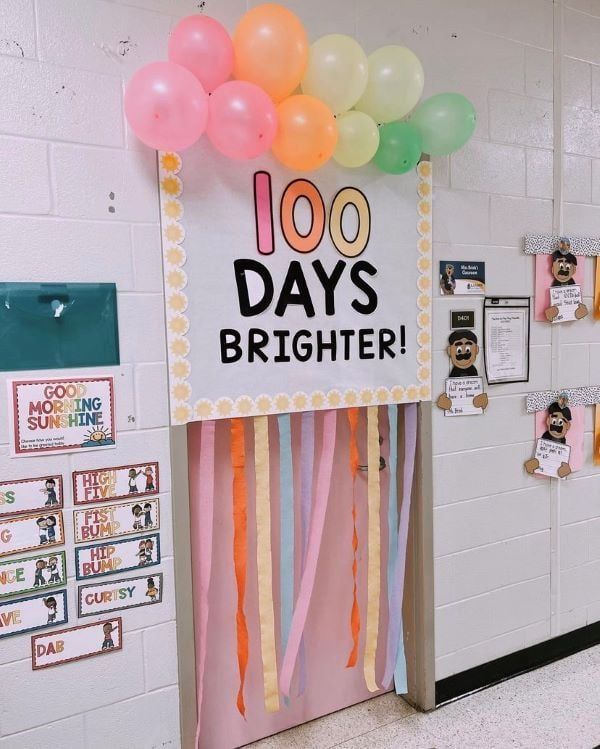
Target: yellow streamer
[374,551]
[264,563]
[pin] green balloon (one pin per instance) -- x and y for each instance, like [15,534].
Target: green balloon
[446,122]
[399,148]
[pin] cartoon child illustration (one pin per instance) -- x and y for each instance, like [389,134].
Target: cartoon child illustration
[50,491]
[463,350]
[147,515]
[42,524]
[53,570]
[149,479]
[133,474]
[141,554]
[50,604]
[149,547]
[152,591]
[137,515]
[558,423]
[564,265]
[39,578]
[51,524]
[447,280]
[108,629]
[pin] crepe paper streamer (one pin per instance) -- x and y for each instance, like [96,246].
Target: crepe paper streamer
[263,210]
[314,545]
[264,563]
[374,548]
[240,548]
[286,493]
[597,435]
[395,645]
[392,493]
[307,457]
[400,675]
[355,611]
[202,515]
[597,291]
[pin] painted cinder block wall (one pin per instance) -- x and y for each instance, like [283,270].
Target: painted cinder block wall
[515,562]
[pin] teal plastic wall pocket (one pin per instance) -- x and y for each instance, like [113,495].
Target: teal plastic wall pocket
[58,325]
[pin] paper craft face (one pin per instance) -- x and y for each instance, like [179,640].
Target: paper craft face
[462,350]
[558,423]
[563,267]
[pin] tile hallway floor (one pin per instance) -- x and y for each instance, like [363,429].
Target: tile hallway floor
[555,707]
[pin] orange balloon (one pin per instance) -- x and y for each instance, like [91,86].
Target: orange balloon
[307,135]
[271,49]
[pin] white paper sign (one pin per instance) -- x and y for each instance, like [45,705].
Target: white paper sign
[506,340]
[61,415]
[35,612]
[101,484]
[29,495]
[551,455]
[567,298]
[73,644]
[293,294]
[117,556]
[32,573]
[31,532]
[461,391]
[115,595]
[111,521]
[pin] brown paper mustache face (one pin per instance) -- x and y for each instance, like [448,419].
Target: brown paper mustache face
[463,353]
[558,425]
[563,270]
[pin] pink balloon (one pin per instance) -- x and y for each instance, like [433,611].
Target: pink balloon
[203,46]
[242,120]
[166,106]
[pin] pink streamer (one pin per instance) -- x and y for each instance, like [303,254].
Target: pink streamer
[397,582]
[201,517]
[314,545]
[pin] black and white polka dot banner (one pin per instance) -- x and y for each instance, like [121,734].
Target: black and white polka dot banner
[585,396]
[546,244]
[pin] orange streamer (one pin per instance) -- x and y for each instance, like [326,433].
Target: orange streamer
[240,548]
[355,611]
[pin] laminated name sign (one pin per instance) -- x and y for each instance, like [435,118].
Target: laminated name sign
[116,595]
[111,521]
[102,484]
[30,495]
[35,612]
[34,573]
[117,556]
[28,532]
[463,391]
[85,641]
[61,415]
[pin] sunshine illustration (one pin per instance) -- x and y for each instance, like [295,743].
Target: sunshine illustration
[97,438]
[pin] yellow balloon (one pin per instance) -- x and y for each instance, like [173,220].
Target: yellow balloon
[337,72]
[396,80]
[358,139]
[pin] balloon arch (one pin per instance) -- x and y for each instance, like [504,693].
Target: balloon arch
[243,92]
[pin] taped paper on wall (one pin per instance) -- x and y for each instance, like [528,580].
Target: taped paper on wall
[76,643]
[28,495]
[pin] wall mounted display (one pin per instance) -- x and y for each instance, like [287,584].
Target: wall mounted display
[27,532]
[28,495]
[29,574]
[58,325]
[35,612]
[127,593]
[117,556]
[461,278]
[84,641]
[559,275]
[506,330]
[61,416]
[464,394]
[120,482]
[318,297]
[111,521]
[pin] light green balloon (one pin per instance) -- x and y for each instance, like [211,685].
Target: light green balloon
[337,72]
[399,148]
[446,122]
[358,139]
[396,80]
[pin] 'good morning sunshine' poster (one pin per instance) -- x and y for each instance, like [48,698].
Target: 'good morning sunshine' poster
[61,415]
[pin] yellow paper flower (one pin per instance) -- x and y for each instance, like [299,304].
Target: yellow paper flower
[263,404]
[175,256]
[424,169]
[423,338]
[350,398]
[397,393]
[424,189]
[424,245]
[244,405]
[174,233]
[423,355]
[423,319]
[182,414]
[172,186]
[204,408]
[317,400]
[179,325]
[176,279]
[173,209]
[424,264]
[412,393]
[334,398]
[224,406]
[181,369]
[424,283]
[180,347]
[424,301]
[423,373]
[300,401]
[181,391]
[424,207]
[178,302]
[366,396]
[424,226]
[282,402]
[170,162]
[424,391]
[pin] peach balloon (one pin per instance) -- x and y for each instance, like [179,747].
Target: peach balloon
[270,49]
[307,134]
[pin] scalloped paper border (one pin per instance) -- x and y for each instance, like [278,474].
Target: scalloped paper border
[178,324]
